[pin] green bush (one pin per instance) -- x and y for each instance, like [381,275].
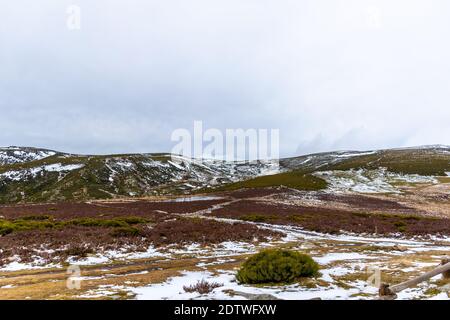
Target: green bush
[295,179]
[79,251]
[5,228]
[91,222]
[401,226]
[125,232]
[276,266]
[46,222]
[257,218]
[37,217]
[115,222]
[133,220]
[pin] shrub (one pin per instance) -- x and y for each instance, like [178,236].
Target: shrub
[41,222]
[23,225]
[257,218]
[116,222]
[91,222]
[297,218]
[37,217]
[79,251]
[416,218]
[276,266]
[5,228]
[133,220]
[202,287]
[125,232]
[401,226]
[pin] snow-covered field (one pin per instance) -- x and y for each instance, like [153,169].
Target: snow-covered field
[334,266]
[346,262]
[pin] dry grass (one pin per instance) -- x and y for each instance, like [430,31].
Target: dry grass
[202,287]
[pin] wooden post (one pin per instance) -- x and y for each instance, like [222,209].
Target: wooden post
[445,274]
[387,291]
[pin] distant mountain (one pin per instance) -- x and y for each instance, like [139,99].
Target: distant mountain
[422,160]
[13,155]
[36,175]
[39,175]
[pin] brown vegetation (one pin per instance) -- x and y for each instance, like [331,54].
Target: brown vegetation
[202,287]
[333,220]
[52,232]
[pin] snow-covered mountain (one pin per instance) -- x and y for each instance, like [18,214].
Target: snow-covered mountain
[29,174]
[36,175]
[11,155]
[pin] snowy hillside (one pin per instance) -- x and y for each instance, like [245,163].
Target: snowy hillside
[11,155]
[35,175]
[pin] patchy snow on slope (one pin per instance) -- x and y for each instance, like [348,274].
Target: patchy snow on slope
[176,165]
[154,164]
[350,154]
[14,155]
[18,175]
[271,168]
[355,180]
[124,165]
[194,198]
[369,181]
[58,167]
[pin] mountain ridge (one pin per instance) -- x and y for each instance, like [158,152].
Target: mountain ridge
[418,147]
[29,174]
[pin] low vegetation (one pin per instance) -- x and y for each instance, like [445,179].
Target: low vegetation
[413,161]
[292,179]
[257,218]
[277,266]
[334,221]
[78,250]
[53,240]
[205,232]
[202,287]
[126,231]
[37,222]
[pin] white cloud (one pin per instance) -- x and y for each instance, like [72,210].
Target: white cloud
[353,74]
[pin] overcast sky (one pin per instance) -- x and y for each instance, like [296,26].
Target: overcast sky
[330,74]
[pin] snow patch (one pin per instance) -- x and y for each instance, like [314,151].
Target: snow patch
[18,175]
[369,181]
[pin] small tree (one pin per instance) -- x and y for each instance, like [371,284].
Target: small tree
[276,266]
